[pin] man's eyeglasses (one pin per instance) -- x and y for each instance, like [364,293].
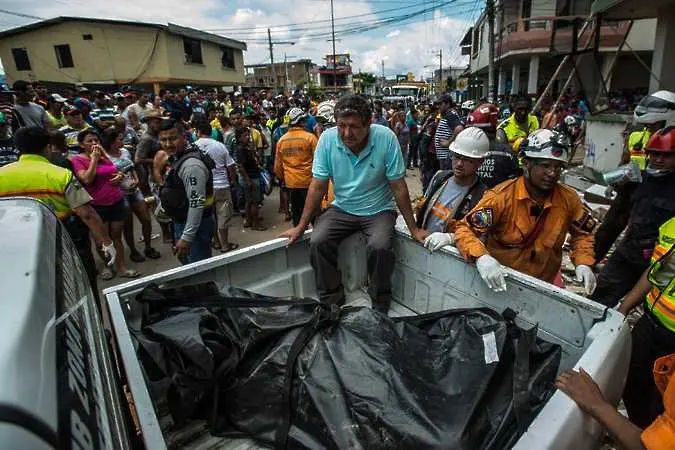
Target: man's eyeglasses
[458,157]
[550,167]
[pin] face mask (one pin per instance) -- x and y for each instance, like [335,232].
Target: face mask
[657,172]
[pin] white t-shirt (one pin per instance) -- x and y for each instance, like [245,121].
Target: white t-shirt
[218,152]
[138,109]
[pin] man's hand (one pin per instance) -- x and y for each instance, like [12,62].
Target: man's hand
[293,234]
[581,388]
[109,252]
[181,249]
[585,274]
[624,308]
[492,273]
[419,234]
[438,240]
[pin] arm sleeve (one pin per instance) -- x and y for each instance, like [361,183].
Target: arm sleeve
[228,158]
[321,165]
[194,176]
[482,218]
[76,195]
[394,165]
[582,238]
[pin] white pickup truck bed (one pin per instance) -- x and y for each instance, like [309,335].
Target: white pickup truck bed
[590,335]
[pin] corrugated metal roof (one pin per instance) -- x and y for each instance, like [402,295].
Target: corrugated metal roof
[170,28]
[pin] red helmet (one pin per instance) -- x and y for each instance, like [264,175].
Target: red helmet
[484,116]
[662,141]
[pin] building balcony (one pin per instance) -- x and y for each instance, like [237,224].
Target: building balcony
[555,33]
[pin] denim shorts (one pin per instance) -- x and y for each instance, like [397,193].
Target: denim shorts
[113,213]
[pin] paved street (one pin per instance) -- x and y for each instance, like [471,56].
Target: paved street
[238,234]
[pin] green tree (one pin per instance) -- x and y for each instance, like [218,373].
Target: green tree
[368,78]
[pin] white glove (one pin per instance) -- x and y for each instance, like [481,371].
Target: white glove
[400,224]
[437,240]
[585,274]
[110,253]
[492,273]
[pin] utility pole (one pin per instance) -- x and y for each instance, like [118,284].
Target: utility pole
[332,26]
[274,72]
[382,82]
[490,8]
[440,75]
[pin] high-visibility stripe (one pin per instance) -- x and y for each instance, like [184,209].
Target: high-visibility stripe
[31,193]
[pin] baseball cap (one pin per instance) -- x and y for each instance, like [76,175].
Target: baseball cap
[70,110]
[57,98]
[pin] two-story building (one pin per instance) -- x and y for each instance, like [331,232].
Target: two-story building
[532,37]
[101,52]
[289,75]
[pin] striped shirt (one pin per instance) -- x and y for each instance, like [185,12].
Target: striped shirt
[444,131]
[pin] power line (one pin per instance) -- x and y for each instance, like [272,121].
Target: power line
[225,29]
[349,29]
[12,13]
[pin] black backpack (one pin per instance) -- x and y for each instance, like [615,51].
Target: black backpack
[173,197]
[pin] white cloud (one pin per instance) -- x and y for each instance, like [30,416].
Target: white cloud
[409,47]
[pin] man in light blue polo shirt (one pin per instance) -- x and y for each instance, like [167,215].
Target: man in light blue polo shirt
[365,164]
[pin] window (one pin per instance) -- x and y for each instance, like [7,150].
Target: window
[63,55]
[193,51]
[21,60]
[228,58]
[87,37]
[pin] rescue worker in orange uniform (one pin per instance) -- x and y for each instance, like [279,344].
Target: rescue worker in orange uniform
[293,162]
[524,221]
[658,435]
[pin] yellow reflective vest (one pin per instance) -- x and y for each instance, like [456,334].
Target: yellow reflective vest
[637,141]
[34,176]
[661,298]
[513,130]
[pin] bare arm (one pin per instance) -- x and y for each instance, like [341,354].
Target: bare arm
[402,197]
[232,173]
[158,164]
[88,175]
[93,221]
[317,190]
[316,193]
[636,295]
[581,388]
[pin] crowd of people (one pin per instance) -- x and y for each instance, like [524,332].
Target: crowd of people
[191,160]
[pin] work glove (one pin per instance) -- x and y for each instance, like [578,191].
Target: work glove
[437,240]
[110,253]
[585,273]
[492,273]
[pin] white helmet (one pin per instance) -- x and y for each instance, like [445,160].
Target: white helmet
[471,142]
[570,121]
[657,107]
[546,144]
[326,111]
[295,115]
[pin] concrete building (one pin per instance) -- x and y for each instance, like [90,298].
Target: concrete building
[532,36]
[67,50]
[335,75]
[289,75]
[663,14]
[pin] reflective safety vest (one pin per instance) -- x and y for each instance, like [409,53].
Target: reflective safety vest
[637,141]
[34,176]
[661,298]
[514,130]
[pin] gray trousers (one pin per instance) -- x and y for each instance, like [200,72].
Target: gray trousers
[330,229]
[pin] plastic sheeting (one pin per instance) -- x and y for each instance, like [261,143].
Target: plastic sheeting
[294,373]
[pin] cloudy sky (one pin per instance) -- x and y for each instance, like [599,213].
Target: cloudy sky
[404,34]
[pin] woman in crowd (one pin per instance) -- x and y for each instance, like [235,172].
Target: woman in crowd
[102,180]
[402,133]
[113,144]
